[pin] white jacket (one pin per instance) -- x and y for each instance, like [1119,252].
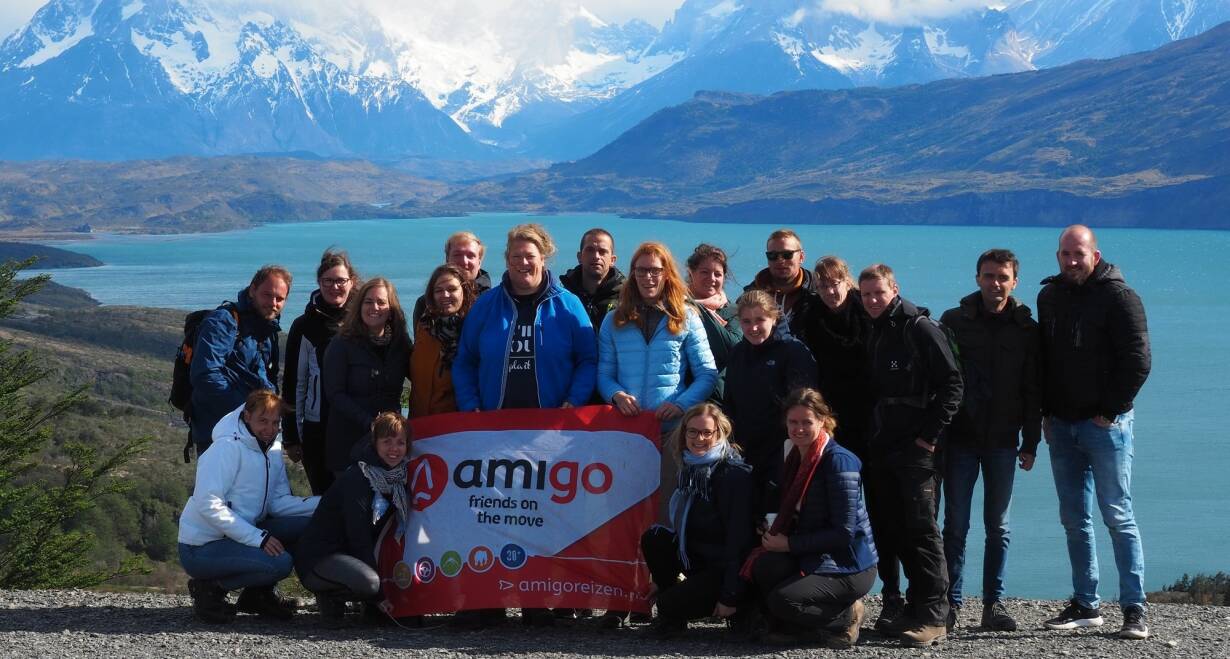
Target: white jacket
[237,486]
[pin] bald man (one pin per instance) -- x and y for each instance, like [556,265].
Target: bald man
[1095,358]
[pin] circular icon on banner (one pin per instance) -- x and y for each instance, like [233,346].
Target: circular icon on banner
[480,559]
[512,556]
[450,563]
[425,570]
[426,476]
[403,576]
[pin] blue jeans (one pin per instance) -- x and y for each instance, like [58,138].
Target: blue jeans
[961,466]
[1090,462]
[233,565]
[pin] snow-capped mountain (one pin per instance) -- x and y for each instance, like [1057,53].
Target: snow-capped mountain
[543,78]
[1063,31]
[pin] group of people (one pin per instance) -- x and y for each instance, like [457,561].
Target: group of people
[809,427]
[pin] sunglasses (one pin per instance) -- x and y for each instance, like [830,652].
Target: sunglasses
[783,254]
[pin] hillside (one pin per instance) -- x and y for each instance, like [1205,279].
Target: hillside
[48,257]
[1142,140]
[199,194]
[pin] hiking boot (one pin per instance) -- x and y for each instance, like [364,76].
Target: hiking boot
[332,612]
[537,617]
[265,601]
[209,602]
[950,622]
[613,620]
[996,618]
[892,613]
[1075,616]
[923,636]
[664,629]
[572,614]
[847,636]
[638,618]
[1134,626]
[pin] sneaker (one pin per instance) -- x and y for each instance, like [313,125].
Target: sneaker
[1075,616]
[847,636]
[1134,626]
[923,636]
[209,602]
[996,618]
[950,622]
[265,601]
[891,614]
[572,614]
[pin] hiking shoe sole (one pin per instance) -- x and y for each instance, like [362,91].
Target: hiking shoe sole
[1074,624]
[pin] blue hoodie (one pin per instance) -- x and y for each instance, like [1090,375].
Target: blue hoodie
[566,355]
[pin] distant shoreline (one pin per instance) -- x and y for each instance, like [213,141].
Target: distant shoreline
[49,258]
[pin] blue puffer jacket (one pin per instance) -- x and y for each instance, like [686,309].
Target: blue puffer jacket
[565,357]
[654,372]
[230,361]
[833,533]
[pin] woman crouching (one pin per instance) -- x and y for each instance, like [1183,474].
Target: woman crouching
[713,526]
[337,554]
[816,559]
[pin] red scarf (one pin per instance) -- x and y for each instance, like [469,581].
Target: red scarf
[798,471]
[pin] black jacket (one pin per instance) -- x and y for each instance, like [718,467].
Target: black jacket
[305,355]
[838,341]
[1003,387]
[1095,345]
[721,530]
[342,523]
[482,283]
[758,379]
[915,376]
[603,300]
[360,381]
[795,304]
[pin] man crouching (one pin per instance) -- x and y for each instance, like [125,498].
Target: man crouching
[241,521]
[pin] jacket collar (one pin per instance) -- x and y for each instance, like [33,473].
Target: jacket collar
[972,308]
[260,326]
[608,287]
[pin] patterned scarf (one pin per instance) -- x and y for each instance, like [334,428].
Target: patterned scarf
[694,482]
[384,339]
[446,330]
[390,482]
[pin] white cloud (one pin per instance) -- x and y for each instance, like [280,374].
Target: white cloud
[654,12]
[900,12]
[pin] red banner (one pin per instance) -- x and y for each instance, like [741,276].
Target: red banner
[525,508]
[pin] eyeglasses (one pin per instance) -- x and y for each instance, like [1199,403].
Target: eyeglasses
[648,272]
[783,254]
[335,283]
[693,433]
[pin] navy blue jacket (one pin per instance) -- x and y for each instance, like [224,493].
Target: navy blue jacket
[230,361]
[832,534]
[759,380]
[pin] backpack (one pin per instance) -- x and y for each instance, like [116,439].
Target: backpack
[181,381]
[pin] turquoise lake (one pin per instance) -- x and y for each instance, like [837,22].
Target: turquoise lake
[1180,483]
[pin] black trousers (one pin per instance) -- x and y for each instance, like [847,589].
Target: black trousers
[678,601]
[808,601]
[903,500]
[312,440]
[342,576]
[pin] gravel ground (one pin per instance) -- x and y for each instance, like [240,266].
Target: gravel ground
[94,624]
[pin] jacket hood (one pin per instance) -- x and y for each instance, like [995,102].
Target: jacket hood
[232,426]
[1104,272]
[482,281]
[971,307]
[243,304]
[609,287]
[764,280]
[554,286]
